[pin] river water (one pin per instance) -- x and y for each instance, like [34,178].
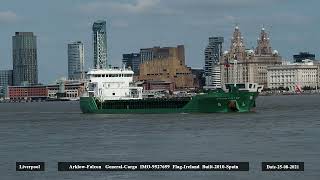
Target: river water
[282,128]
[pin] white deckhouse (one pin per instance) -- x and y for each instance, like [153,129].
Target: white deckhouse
[112,84]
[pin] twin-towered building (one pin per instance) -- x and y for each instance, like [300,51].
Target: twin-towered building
[248,65]
[264,66]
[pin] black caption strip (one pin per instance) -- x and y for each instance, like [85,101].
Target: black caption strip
[153,166]
[29,166]
[282,166]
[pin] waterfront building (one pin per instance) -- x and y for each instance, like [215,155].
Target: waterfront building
[27,92]
[99,44]
[302,56]
[213,53]
[167,64]
[24,51]
[302,74]
[133,61]
[76,61]
[71,91]
[247,65]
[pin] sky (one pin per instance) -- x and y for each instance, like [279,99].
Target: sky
[134,24]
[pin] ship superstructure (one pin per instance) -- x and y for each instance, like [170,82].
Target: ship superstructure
[112,84]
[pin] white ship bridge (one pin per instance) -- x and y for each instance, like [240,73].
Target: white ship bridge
[112,84]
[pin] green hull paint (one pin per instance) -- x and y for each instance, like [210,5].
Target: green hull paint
[212,102]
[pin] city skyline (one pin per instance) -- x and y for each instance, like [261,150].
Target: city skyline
[143,23]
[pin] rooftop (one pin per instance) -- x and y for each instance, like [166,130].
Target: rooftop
[111,70]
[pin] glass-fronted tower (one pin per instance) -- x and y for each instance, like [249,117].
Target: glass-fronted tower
[76,61]
[99,44]
[24,52]
[213,53]
[133,61]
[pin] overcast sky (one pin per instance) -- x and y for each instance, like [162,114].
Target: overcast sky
[134,24]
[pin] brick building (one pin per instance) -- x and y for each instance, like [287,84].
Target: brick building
[72,90]
[166,64]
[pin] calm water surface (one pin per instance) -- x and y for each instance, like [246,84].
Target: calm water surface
[283,128]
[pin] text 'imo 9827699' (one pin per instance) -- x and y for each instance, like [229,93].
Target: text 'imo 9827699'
[112,91]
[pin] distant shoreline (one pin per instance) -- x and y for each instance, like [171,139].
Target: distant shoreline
[35,101]
[261,94]
[287,93]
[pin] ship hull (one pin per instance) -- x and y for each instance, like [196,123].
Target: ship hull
[205,103]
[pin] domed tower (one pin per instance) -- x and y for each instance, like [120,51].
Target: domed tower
[237,48]
[263,44]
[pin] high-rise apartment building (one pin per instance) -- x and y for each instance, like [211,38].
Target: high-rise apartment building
[76,61]
[99,44]
[213,53]
[133,61]
[24,52]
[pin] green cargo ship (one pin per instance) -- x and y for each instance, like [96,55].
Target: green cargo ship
[205,103]
[110,91]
